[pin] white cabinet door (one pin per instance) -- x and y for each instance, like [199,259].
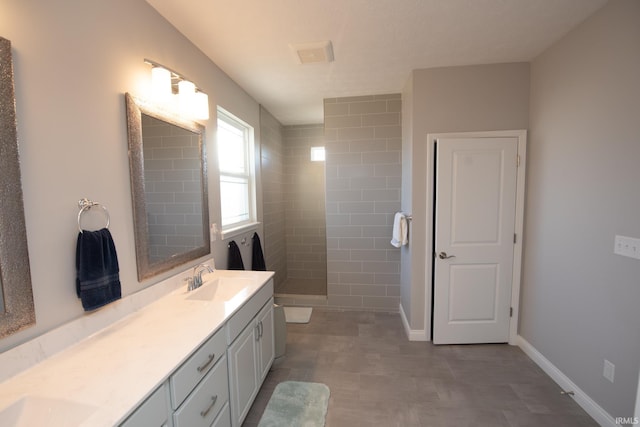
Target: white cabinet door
[250,356]
[266,344]
[243,374]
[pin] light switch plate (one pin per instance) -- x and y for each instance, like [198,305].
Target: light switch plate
[627,246]
[609,370]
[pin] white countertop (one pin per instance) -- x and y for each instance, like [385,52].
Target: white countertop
[115,369]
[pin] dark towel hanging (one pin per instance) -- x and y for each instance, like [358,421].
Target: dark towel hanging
[98,279]
[257,258]
[235,258]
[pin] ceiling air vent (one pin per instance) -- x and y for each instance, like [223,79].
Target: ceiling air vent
[310,53]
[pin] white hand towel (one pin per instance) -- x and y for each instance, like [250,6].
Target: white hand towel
[399,237]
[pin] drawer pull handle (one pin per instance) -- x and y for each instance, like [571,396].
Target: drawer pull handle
[204,413]
[259,330]
[207,363]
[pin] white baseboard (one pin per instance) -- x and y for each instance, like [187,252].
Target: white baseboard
[601,416]
[412,334]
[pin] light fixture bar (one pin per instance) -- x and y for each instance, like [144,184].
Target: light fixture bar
[176,77]
[170,87]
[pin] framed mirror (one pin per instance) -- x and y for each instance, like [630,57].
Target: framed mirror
[16,297]
[168,170]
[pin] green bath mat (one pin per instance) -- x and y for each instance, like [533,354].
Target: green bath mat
[296,404]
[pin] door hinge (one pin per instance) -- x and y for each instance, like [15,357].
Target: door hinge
[515,238]
[518,160]
[510,311]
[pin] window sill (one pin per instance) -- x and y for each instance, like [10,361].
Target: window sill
[236,231]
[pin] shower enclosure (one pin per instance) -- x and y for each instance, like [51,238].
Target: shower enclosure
[294,206]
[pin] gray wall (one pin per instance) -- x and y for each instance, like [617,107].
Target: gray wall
[305,229]
[363,167]
[579,300]
[74,60]
[450,99]
[273,179]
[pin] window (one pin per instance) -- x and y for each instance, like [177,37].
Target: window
[235,160]
[317,154]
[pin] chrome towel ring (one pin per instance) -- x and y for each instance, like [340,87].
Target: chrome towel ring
[86,204]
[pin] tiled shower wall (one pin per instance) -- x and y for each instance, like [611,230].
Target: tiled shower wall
[173,188]
[363,167]
[272,167]
[305,224]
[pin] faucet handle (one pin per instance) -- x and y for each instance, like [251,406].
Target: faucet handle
[190,283]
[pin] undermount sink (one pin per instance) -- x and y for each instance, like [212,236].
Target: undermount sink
[41,411]
[220,289]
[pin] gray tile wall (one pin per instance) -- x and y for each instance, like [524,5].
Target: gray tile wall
[363,174]
[173,188]
[273,205]
[305,211]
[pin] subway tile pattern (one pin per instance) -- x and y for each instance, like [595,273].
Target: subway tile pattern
[363,170]
[272,160]
[173,188]
[305,226]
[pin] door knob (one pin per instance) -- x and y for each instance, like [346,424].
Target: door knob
[443,255]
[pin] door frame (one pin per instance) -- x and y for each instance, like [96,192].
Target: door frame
[521,135]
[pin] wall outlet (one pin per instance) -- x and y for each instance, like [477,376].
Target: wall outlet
[609,370]
[627,246]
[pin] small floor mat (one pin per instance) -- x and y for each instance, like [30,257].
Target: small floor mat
[296,404]
[297,314]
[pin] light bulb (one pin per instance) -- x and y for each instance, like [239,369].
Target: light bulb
[186,97]
[201,106]
[161,83]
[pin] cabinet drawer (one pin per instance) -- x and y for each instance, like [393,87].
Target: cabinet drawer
[154,412]
[243,316]
[196,367]
[224,419]
[208,398]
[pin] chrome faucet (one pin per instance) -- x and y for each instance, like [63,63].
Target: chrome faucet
[195,281]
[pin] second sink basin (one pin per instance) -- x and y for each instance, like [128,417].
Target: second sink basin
[41,411]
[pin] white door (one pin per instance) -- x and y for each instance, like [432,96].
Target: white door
[474,239]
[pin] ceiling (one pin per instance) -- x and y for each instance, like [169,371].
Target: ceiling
[376,43]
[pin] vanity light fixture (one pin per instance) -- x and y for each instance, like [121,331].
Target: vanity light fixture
[173,91]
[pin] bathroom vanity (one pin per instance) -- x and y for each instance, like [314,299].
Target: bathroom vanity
[188,359]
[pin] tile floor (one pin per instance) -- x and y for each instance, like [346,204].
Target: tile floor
[379,378]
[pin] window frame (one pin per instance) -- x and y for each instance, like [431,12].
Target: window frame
[249,175]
